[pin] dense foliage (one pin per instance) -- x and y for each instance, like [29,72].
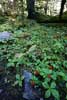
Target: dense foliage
[40,49]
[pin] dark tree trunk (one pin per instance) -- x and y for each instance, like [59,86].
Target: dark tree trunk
[62,8]
[31,8]
[46,7]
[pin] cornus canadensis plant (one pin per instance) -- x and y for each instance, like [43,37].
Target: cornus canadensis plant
[52,72]
[41,50]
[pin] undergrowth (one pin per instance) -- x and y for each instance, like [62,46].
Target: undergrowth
[40,49]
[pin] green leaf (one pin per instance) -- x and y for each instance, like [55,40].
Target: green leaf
[65,64]
[10,64]
[45,85]
[61,74]
[20,83]
[15,83]
[54,76]
[66,85]
[47,94]
[53,85]
[66,97]
[17,76]
[65,77]
[55,93]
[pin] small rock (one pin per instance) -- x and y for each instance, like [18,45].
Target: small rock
[1,91]
[41,99]
[4,35]
[29,92]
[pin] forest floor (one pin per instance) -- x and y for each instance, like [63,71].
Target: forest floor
[29,45]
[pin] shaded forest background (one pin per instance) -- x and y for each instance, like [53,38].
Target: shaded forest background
[41,10]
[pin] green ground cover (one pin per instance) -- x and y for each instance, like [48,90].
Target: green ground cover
[40,49]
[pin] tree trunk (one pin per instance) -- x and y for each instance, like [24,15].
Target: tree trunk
[62,8]
[31,8]
[46,7]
